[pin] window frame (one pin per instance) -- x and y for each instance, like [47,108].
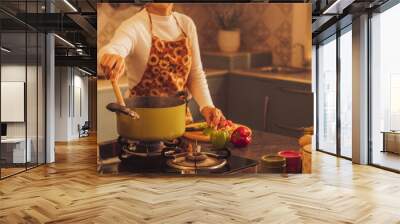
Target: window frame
[334,37]
[381,9]
[27,29]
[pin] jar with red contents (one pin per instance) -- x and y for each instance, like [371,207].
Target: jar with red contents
[293,160]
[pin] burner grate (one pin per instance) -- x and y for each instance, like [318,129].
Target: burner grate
[145,148]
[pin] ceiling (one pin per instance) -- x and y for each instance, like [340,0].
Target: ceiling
[330,15]
[73,20]
[76,22]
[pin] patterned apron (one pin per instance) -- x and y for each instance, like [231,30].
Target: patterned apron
[167,68]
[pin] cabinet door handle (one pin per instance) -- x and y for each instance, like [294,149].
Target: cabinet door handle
[297,91]
[266,100]
[291,128]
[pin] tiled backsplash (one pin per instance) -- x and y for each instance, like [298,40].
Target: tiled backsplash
[263,27]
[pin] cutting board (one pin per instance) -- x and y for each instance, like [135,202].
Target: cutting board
[198,135]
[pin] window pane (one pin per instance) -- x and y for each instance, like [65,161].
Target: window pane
[15,150]
[22,77]
[31,96]
[385,86]
[327,97]
[346,94]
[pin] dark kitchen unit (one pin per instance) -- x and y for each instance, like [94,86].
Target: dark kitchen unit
[269,98]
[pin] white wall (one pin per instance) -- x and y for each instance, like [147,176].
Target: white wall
[34,106]
[70,83]
[79,118]
[15,72]
[61,103]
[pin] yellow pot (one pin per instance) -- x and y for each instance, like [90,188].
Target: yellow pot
[160,118]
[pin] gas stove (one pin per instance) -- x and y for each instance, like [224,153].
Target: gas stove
[179,156]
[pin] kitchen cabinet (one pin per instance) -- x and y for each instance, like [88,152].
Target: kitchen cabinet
[277,106]
[218,86]
[290,108]
[273,105]
[247,98]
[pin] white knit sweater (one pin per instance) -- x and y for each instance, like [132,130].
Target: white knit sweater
[132,40]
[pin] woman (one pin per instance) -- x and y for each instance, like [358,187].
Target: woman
[162,54]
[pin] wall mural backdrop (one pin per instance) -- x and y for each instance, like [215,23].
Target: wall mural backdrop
[256,64]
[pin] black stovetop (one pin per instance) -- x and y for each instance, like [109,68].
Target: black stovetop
[157,164]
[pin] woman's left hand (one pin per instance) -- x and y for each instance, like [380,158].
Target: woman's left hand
[213,116]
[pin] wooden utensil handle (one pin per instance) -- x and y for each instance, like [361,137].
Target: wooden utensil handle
[117,93]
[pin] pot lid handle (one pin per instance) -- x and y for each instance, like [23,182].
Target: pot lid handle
[115,107]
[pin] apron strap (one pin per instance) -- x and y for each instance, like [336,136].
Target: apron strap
[151,23]
[176,20]
[179,25]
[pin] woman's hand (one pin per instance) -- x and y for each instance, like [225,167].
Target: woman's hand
[113,66]
[213,116]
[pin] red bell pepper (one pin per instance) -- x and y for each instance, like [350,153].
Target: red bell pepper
[241,137]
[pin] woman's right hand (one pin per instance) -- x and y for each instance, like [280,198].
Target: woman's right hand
[113,66]
[213,116]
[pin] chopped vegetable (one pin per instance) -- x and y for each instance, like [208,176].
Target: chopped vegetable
[219,139]
[202,125]
[208,131]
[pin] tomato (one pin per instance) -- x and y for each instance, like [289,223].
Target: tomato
[241,137]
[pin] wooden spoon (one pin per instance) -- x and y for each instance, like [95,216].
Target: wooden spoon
[118,93]
[120,100]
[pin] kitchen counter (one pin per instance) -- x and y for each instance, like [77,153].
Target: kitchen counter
[263,143]
[303,78]
[210,72]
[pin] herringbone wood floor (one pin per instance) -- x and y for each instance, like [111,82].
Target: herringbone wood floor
[70,191]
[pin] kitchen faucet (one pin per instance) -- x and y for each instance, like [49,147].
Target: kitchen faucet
[303,62]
